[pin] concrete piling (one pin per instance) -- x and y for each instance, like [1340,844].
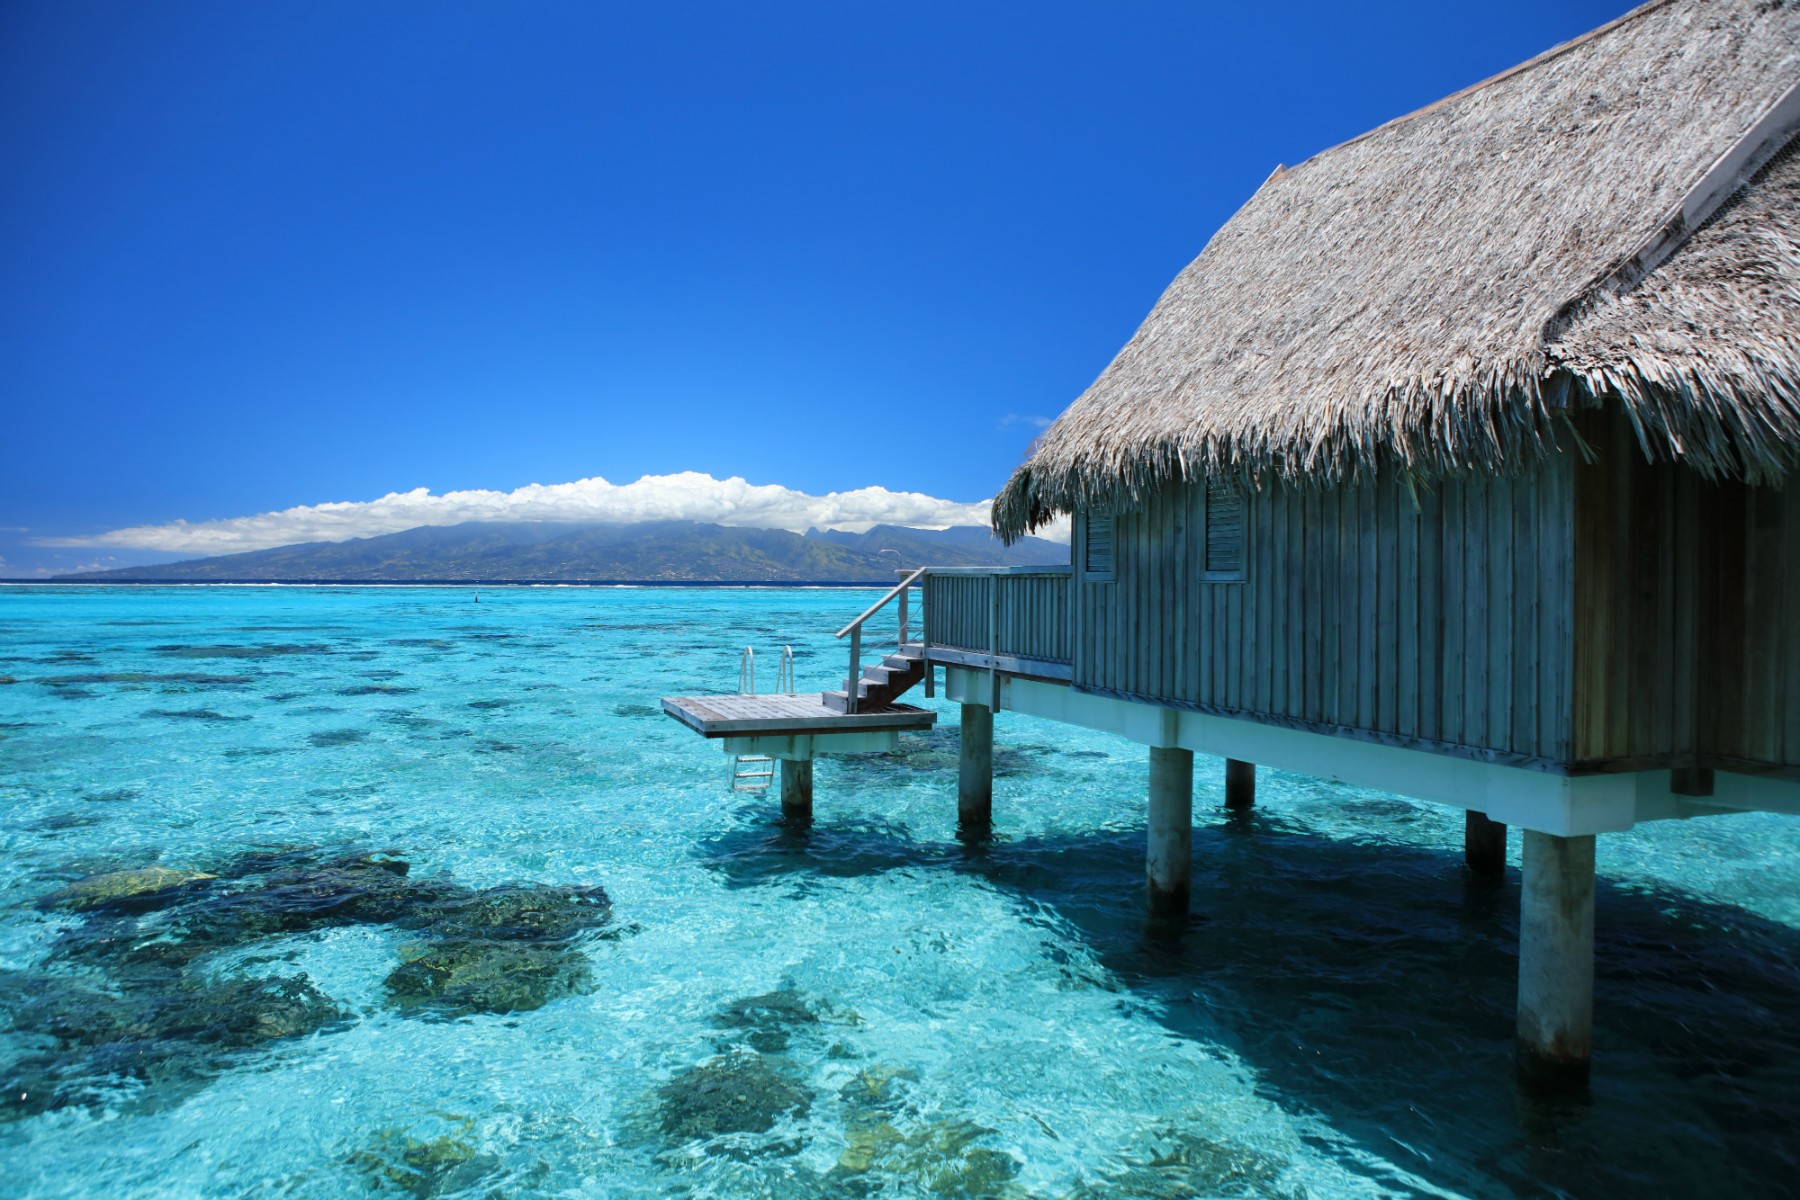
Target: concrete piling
[796,789]
[1171,849]
[975,769]
[1484,845]
[1240,785]
[1556,961]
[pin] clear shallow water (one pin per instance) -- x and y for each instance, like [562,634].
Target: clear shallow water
[899,1014]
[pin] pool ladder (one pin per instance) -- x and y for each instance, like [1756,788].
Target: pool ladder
[756,772]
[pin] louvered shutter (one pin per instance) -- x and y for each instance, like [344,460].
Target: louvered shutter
[1224,531]
[1097,546]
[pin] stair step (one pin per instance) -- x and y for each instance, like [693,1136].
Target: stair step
[837,701]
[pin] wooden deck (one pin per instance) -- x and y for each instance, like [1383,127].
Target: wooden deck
[738,716]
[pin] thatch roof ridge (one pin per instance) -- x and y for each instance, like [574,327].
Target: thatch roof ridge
[1388,304]
[1705,350]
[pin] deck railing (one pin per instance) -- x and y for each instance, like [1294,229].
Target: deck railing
[1013,619]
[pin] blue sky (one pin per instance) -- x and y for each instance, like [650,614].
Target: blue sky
[269,255]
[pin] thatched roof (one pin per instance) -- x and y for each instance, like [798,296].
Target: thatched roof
[1436,295]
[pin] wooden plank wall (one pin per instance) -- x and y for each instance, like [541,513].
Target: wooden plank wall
[1687,600]
[1436,619]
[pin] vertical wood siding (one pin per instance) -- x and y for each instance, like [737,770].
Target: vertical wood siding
[1441,617]
[1613,615]
[1687,612]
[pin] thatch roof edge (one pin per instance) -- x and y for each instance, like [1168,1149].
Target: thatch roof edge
[1504,416]
[1745,425]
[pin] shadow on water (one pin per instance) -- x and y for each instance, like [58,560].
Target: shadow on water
[1374,985]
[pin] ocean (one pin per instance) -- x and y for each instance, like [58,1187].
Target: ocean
[404,894]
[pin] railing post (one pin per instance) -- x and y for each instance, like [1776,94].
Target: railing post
[855,669]
[925,634]
[854,631]
[994,641]
[905,616]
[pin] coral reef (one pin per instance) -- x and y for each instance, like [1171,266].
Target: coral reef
[127,1004]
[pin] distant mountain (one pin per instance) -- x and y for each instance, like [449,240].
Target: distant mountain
[651,551]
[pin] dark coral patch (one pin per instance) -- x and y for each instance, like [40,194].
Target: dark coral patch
[141,1008]
[520,912]
[301,891]
[425,1167]
[166,1030]
[768,1021]
[739,1092]
[448,979]
[264,651]
[636,710]
[125,891]
[192,714]
[195,678]
[505,949]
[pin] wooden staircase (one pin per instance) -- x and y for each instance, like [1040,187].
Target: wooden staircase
[883,683]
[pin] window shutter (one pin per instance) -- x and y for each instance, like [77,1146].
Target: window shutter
[1097,546]
[1224,531]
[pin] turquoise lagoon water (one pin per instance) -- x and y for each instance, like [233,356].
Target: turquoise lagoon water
[870,1008]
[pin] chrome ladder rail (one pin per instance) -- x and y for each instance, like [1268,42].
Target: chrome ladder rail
[755,772]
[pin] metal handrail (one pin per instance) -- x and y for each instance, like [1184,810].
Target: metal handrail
[882,603]
[854,629]
[1045,569]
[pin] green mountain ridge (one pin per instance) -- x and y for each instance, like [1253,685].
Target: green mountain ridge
[650,551]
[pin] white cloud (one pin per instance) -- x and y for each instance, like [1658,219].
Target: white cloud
[688,495]
[1011,419]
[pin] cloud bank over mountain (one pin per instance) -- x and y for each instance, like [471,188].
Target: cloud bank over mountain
[688,495]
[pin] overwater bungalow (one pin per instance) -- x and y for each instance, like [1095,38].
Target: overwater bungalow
[1456,466]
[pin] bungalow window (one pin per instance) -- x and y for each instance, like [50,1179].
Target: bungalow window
[1224,533]
[1097,547]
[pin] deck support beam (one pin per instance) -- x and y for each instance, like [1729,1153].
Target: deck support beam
[1484,845]
[1240,785]
[975,769]
[1171,850]
[1556,961]
[796,789]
